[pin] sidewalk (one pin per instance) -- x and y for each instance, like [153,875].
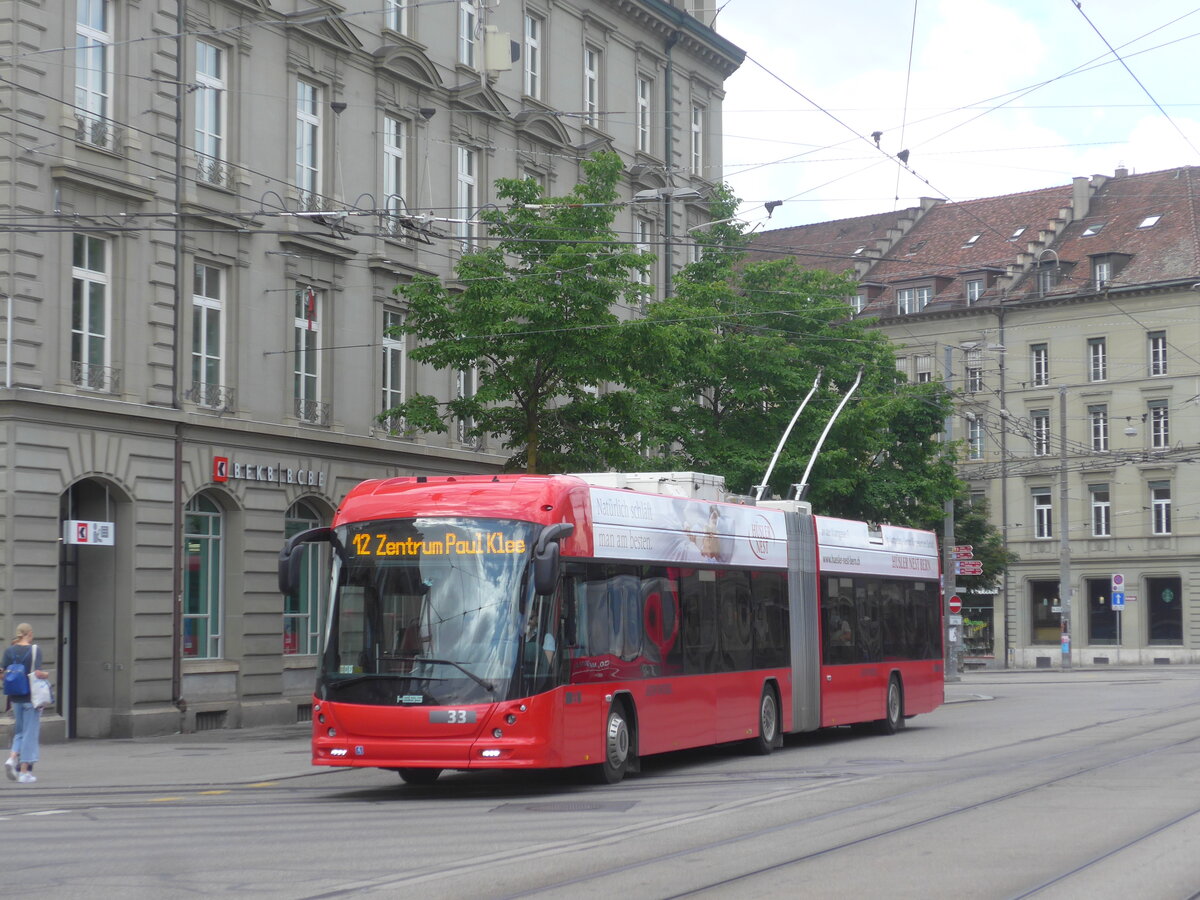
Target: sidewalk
[229,756]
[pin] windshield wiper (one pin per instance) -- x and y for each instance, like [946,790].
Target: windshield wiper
[486,685]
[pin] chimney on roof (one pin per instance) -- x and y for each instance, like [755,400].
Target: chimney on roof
[1121,172]
[1081,196]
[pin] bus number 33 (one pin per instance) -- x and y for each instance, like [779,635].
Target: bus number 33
[452,716]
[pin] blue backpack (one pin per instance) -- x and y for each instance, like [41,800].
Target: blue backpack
[16,679]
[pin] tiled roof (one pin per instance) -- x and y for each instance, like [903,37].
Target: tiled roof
[835,246]
[955,239]
[949,244]
[1164,251]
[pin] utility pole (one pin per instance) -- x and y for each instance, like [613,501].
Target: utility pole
[949,584]
[1064,544]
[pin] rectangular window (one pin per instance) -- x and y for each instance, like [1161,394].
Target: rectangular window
[1098,426]
[924,368]
[308,144]
[396,14]
[974,373]
[1039,365]
[395,178]
[208,335]
[645,88]
[210,113]
[1040,436]
[974,289]
[1043,518]
[1157,345]
[1097,359]
[858,303]
[1101,272]
[533,57]
[698,140]
[467,196]
[1101,510]
[93,72]
[1101,617]
[394,361]
[1047,278]
[306,347]
[591,86]
[911,300]
[974,437]
[1160,425]
[90,314]
[1160,507]
[466,33]
[643,231]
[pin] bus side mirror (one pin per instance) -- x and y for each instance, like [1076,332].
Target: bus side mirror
[545,557]
[292,555]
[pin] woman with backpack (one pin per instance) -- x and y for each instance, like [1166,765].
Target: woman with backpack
[27,718]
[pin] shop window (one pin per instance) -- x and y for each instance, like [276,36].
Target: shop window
[203,579]
[1164,610]
[1102,618]
[1045,612]
[302,610]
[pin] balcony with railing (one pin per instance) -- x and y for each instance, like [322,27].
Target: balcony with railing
[90,377]
[215,397]
[213,171]
[312,412]
[98,132]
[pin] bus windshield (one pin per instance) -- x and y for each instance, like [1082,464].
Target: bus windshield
[425,611]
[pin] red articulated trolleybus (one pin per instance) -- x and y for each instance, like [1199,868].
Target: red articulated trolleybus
[530,621]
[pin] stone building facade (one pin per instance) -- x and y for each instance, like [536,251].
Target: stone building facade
[210,204]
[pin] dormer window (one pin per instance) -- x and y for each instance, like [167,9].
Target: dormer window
[1101,272]
[1017,232]
[915,248]
[911,300]
[970,242]
[1093,228]
[974,289]
[1149,221]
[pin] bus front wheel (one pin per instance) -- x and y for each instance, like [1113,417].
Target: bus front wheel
[617,747]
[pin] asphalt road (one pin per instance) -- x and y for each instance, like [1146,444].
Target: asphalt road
[1031,784]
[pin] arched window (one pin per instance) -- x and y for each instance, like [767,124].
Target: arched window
[302,611]
[203,580]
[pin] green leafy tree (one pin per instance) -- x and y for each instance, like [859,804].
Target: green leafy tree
[533,316]
[729,357]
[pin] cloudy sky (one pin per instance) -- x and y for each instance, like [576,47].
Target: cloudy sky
[988,96]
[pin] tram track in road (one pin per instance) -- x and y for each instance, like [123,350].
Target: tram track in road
[832,819]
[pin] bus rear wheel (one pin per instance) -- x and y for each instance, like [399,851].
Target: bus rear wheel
[617,747]
[893,719]
[768,723]
[419,776]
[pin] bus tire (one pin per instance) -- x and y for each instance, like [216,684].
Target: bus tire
[768,723]
[618,746]
[419,776]
[893,719]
